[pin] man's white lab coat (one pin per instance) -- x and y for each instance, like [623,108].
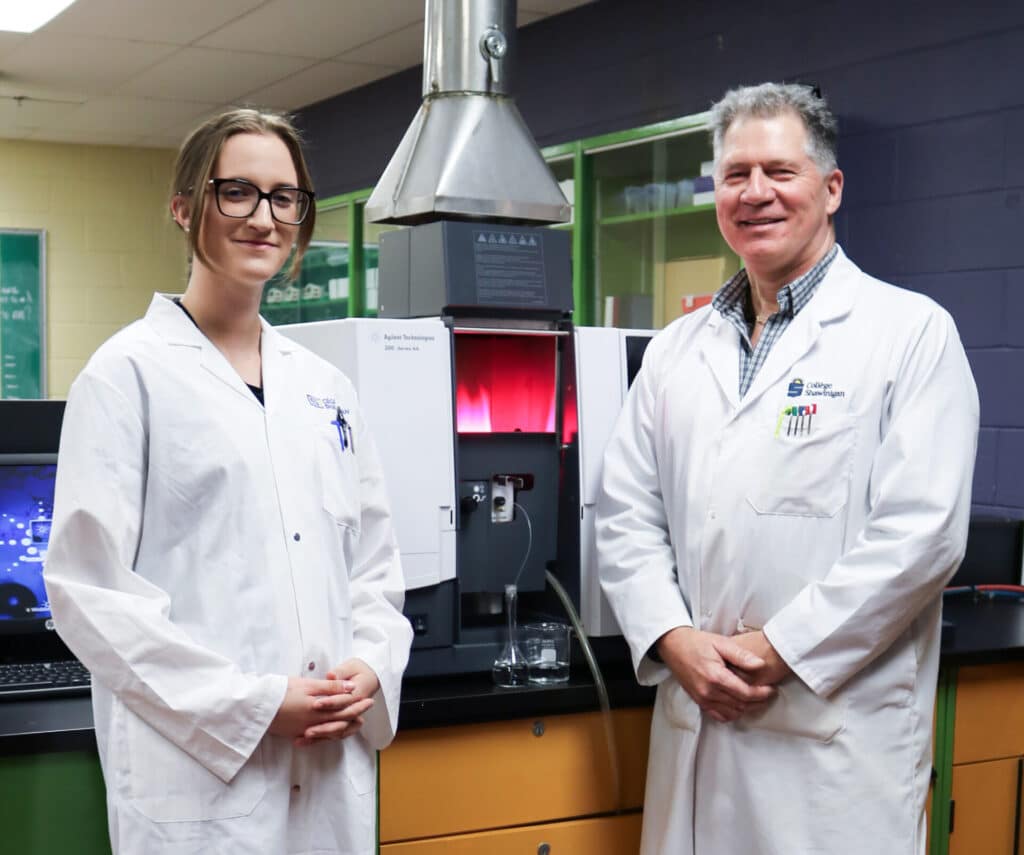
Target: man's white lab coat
[833,528]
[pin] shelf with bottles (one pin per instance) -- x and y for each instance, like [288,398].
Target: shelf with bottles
[643,216]
[319,293]
[653,178]
[657,249]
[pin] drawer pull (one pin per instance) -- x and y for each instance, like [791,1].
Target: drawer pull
[544,849]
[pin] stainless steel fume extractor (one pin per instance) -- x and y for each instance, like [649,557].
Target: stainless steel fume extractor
[469,375]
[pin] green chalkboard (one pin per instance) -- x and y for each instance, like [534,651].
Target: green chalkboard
[22,313]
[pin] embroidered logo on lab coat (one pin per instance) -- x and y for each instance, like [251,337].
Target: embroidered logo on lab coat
[813,389]
[321,403]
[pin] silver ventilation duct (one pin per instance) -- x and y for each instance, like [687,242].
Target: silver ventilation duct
[468,153]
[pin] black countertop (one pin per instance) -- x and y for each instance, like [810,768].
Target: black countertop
[436,701]
[983,630]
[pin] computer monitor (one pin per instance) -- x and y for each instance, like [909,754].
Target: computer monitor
[26,512]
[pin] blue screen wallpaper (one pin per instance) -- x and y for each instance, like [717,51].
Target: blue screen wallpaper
[26,510]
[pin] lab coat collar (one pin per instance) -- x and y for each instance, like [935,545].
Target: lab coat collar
[831,302]
[174,326]
[275,349]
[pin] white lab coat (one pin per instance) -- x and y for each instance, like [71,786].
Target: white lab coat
[203,548]
[836,539]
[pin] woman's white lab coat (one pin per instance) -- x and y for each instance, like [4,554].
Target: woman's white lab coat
[203,548]
[833,530]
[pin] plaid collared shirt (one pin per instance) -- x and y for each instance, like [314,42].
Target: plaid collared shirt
[732,300]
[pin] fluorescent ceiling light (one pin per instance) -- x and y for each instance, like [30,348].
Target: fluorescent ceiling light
[19,16]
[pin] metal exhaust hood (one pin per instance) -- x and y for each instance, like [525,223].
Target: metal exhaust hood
[468,154]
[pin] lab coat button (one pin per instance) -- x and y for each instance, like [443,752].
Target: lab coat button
[296,788]
[713,515]
[296,536]
[311,666]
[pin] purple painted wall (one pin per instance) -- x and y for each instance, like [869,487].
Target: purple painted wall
[930,97]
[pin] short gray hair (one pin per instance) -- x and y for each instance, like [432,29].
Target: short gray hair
[768,100]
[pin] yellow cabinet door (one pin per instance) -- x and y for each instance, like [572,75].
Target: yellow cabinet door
[611,835]
[451,780]
[985,799]
[989,712]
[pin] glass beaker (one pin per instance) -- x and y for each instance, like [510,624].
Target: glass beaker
[509,668]
[547,652]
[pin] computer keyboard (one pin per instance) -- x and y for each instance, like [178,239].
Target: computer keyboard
[43,678]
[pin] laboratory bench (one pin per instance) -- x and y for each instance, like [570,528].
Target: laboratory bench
[481,769]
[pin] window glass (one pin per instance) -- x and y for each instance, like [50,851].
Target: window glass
[321,290]
[657,250]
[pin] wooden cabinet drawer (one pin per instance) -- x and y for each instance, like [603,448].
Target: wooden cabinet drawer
[484,776]
[989,713]
[985,795]
[611,835]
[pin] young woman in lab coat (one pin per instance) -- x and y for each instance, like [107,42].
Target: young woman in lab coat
[222,557]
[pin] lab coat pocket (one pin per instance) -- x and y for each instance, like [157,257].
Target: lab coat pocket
[808,474]
[360,765]
[167,785]
[339,478]
[797,711]
[679,708]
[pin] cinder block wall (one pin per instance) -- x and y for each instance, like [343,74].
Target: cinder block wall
[109,239]
[931,110]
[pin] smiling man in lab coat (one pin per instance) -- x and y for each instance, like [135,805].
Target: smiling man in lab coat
[786,494]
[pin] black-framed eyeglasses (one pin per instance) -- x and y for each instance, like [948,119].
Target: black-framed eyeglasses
[239,198]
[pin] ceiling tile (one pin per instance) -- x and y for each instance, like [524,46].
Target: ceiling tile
[178,129]
[400,49]
[315,28]
[15,133]
[79,63]
[133,116]
[15,113]
[159,141]
[25,92]
[9,41]
[81,137]
[145,72]
[212,76]
[314,84]
[179,22]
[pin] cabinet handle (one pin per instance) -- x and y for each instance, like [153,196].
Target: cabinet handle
[544,849]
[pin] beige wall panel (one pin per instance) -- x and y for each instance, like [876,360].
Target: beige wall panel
[109,239]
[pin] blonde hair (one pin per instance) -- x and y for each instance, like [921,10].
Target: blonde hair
[198,156]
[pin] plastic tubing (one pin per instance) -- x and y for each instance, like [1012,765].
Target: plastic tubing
[602,690]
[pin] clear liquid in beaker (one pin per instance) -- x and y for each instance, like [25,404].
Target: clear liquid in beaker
[552,671]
